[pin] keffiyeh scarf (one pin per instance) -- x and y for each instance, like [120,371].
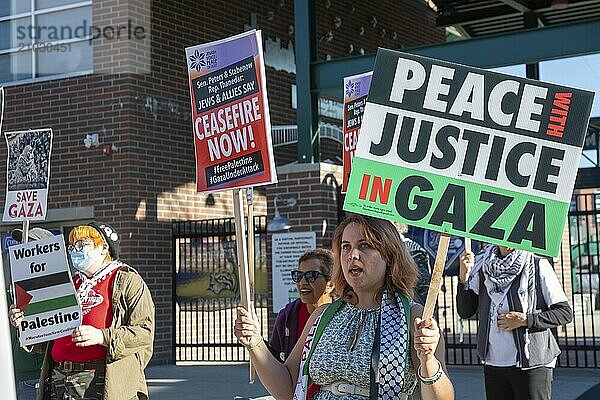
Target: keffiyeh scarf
[499,275]
[395,375]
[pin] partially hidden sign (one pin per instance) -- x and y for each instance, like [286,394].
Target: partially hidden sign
[230,114]
[356,89]
[468,152]
[44,290]
[27,175]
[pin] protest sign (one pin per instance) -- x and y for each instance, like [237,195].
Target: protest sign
[230,114]
[356,89]
[429,240]
[44,290]
[468,152]
[27,175]
[287,249]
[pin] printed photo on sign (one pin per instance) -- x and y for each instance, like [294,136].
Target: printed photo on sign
[44,290]
[27,174]
[231,124]
[468,152]
[356,89]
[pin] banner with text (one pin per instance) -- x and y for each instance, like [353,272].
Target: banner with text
[230,113]
[287,249]
[27,175]
[44,290]
[356,89]
[468,152]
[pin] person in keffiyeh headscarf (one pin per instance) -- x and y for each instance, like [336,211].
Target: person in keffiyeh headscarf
[371,343]
[519,299]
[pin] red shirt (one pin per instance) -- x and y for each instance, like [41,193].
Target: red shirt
[97,312]
[303,317]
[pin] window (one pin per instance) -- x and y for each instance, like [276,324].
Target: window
[44,38]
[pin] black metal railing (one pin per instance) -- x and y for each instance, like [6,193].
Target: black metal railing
[206,293]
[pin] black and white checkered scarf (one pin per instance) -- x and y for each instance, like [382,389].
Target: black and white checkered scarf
[397,379]
[501,272]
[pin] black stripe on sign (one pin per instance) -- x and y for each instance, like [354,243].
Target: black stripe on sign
[44,281]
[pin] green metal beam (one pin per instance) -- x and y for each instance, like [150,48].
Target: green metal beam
[307,99]
[523,47]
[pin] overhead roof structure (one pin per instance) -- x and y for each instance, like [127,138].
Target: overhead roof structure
[477,18]
[497,33]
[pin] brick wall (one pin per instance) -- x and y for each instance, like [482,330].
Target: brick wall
[368,25]
[138,101]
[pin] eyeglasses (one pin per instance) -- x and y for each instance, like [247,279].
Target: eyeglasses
[78,245]
[310,276]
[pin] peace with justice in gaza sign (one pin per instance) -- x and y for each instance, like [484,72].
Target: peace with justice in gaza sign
[468,152]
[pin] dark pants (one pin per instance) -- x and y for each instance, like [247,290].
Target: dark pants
[512,383]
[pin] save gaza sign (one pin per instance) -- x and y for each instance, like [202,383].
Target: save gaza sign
[468,152]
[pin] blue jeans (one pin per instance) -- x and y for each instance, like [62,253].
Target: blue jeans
[26,389]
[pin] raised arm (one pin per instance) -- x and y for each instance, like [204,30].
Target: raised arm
[467,301]
[428,355]
[279,379]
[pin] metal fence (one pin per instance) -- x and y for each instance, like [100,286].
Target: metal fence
[577,271]
[206,294]
[205,288]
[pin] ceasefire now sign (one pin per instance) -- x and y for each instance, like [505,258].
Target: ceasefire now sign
[468,152]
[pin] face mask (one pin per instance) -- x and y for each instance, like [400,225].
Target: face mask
[81,260]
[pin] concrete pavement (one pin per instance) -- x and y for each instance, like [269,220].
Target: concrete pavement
[213,381]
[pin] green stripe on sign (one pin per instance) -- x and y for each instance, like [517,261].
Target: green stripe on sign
[51,305]
[456,207]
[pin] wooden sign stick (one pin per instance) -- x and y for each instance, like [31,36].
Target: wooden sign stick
[25,235]
[242,251]
[436,276]
[468,244]
[249,195]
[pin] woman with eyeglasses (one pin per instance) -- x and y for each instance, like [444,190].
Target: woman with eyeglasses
[369,344]
[313,282]
[105,357]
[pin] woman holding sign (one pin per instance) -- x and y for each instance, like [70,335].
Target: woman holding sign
[519,299]
[369,344]
[105,357]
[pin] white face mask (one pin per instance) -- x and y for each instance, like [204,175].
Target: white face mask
[82,260]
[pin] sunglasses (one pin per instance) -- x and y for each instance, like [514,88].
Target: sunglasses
[310,276]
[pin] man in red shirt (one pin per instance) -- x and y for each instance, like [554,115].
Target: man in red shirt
[105,357]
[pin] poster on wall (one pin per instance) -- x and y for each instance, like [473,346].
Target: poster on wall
[27,175]
[468,152]
[287,249]
[230,113]
[356,89]
[44,290]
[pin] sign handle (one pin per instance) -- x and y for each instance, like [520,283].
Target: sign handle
[25,238]
[436,276]
[249,198]
[468,244]
[242,250]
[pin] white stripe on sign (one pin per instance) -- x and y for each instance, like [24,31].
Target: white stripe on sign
[51,292]
[469,152]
